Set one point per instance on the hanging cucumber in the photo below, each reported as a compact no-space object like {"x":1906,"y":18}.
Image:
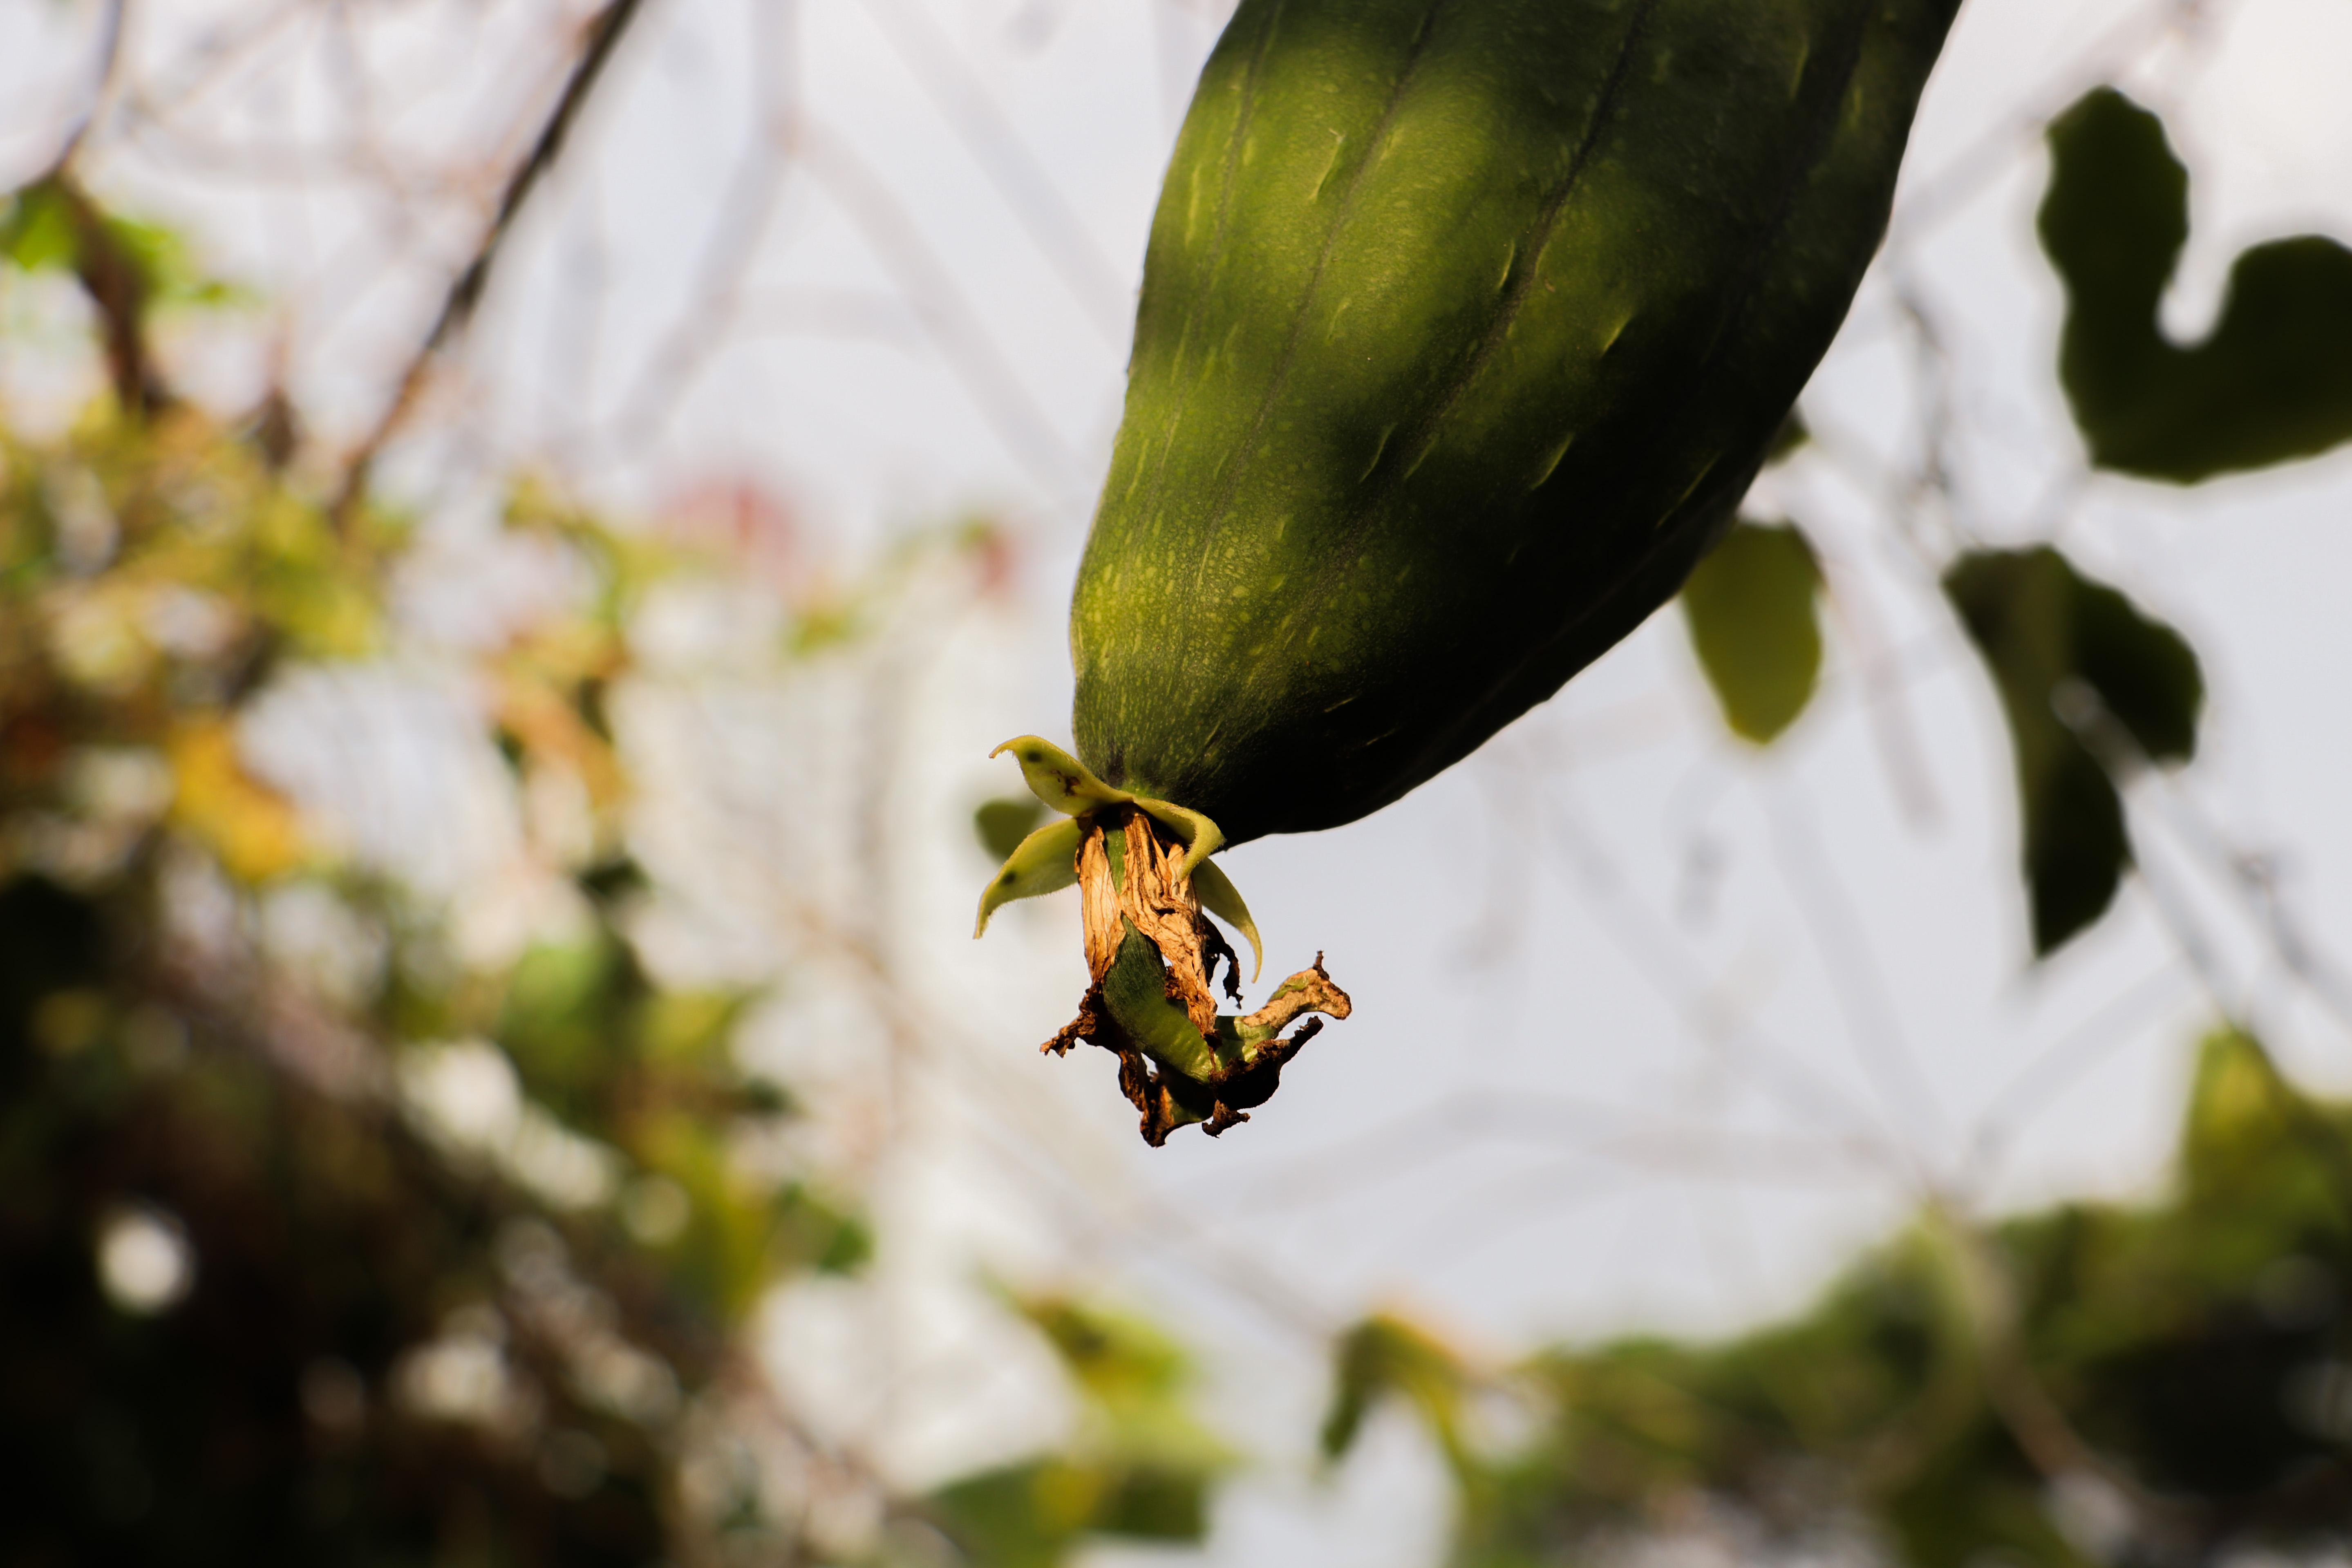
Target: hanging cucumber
{"x":1465,"y":326}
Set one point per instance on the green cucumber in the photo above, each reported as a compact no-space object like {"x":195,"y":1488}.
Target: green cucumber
{"x":1465,"y":326}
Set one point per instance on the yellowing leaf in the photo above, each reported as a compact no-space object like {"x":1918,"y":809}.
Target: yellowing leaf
{"x":1749,"y":607}
{"x":254,"y":831}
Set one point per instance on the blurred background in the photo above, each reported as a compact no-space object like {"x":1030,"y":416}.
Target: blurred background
{"x":520,"y":521}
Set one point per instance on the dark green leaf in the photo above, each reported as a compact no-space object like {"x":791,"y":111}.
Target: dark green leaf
{"x":2063,"y":647}
{"x":1002,"y":824}
{"x":1152,"y":1502}
{"x":1750,"y":610}
{"x":2145,"y":676}
{"x":2270,"y":382}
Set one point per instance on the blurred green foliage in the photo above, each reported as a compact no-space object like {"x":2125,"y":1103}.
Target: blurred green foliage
{"x":49,"y":225}
{"x":261,"y":1301}
{"x":2097,"y":1382}
{"x":378,"y":1351}
{"x":261,"y":1419}
{"x":1137,"y":1465}
{"x":1386,"y":1357}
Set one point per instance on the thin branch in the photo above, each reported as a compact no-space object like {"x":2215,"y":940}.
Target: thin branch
{"x":117,"y":287}
{"x":2042,"y":1428}
{"x":2120,"y":755}
{"x":458,"y":307}
{"x":217,"y":53}
{"x":1020,"y":180}
{"x":2054,"y":1070}
{"x":1933,"y":378}
{"x":950,"y":321}
{"x":1991,"y":154}
{"x":1669,"y":968}
{"x":745,"y":213}
{"x":1886,"y":703}
{"x":1516,"y":1201}
{"x":109,"y":57}
{"x":2253,"y":877}
{"x":109,"y":274}
{"x":1479,"y":1120}
{"x":1858,"y":982}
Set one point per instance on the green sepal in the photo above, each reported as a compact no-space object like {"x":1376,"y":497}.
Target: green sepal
{"x":1059,"y":779}
{"x":1223,"y":899}
{"x":1046,"y":862}
{"x":1070,"y":787}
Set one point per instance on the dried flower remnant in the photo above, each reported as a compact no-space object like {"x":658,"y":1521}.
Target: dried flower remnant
{"x":1143,"y":872}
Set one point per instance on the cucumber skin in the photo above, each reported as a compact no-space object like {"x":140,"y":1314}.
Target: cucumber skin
{"x":1410,"y":438}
